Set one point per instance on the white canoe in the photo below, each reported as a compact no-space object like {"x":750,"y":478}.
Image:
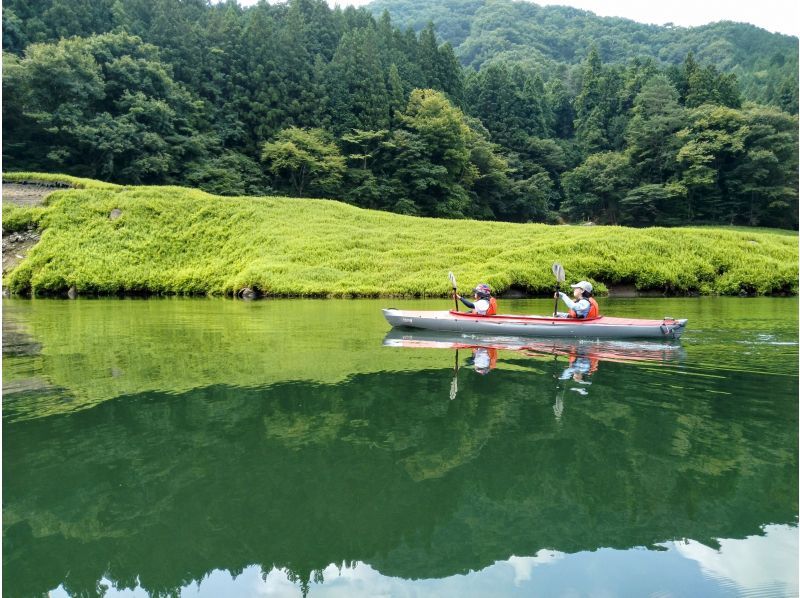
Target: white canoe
{"x":600,"y":327}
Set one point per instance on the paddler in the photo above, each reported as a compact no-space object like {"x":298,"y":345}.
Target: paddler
{"x":584,"y":306}
{"x":484,"y":304}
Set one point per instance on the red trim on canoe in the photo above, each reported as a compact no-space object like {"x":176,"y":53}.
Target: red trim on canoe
{"x":601,"y":320}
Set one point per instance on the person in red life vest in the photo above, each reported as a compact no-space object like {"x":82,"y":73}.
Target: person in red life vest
{"x":485,"y":304}
{"x":584,"y":306}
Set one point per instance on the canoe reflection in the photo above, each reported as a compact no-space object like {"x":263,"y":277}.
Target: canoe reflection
{"x":583,"y":356}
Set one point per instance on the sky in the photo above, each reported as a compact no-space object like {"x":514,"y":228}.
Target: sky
{"x":782,"y":16}
{"x":761,"y":564}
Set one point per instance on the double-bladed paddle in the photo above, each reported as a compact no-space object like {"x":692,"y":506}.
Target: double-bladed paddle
{"x":558,"y":272}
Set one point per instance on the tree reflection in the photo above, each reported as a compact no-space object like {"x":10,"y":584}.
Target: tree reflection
{"x":164,"y":488}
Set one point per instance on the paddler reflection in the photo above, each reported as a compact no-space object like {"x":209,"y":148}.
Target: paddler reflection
{"x":483,"y":359}
{"x":582,"y":364}
{"x":583,"y":357}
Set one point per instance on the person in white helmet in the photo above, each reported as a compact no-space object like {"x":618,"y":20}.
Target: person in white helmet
{"x":584,"y":306}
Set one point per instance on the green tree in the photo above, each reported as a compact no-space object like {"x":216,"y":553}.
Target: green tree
{"x":532,"y":198}
{"x":711,"y":144}
{"x":699,"y":85}
{"x":396,"y":95}
{"x":533,"y":103}
{"x":492,"y":95}
{"x":428,"y":58}
{"x":563,"y":113}
{"x":304,"y":161}
{"x":21,"y":149}
{"x":303,"y":94}
{"x":443,"y":129}
{"x":356,"y":87}
{"x":592,"y":106}
{"x":492,"y":187}
{"x":650,"y":135}
{"x":652,"y":204}
{"x":764,"y":181}
{"x":363,"y":187}
{"x":14,"y":37}
{"x":787,"y":95}
{"x":427,"y":158}
{"x":449,"y":73}
{"x":107,"y":108}
{"x":440,"y":163}
{"x":594,"y":189}
{"x":229,"y":173}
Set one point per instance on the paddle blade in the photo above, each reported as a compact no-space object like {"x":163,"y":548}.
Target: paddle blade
{"x":452,"y":278}
{"x":558,"y":272}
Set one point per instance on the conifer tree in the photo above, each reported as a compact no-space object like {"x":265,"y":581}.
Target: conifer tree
{"x":650,"y":135}
{"x":356,"y":84}
{"x":591,"y":107}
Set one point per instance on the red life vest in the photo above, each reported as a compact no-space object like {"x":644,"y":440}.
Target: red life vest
{"x":492,"y":358}
{"x":492,"y":307}
{"x":594,"y":310}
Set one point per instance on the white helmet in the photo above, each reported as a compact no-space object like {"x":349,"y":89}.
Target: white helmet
{"x":586,"y":286}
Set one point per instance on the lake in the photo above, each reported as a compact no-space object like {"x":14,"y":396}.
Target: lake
{"x":212,"y":447}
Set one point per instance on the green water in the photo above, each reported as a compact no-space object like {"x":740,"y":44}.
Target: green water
{"x":219,"y":447}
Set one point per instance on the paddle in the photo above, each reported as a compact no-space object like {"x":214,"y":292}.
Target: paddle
{"x":454,"y":381}
{"x":558,"y":272}
{"x":452,"y":278}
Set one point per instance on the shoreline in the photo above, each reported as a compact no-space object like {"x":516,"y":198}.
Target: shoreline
{"x":98,"y":239}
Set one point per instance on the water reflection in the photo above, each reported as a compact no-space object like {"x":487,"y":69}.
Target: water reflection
{"x":574,"y":361}
{"x":164,"y":489}
{"x":583,"y":356}
{"x":195,"y":454}
{"x":762,"y":565}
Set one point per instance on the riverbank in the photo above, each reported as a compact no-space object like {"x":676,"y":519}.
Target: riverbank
{"x":104,"y":239}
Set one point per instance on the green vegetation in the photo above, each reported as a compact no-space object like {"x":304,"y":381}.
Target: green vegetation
{"x":172,"y":240}
{"x":73,"y":181}
{"x":523,"y":114}
{"x":18,"y":218}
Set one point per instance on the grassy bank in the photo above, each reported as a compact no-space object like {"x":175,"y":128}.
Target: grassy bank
{"x":178,"y":240}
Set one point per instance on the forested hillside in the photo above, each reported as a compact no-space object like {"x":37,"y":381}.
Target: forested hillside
{"x":549,"y":37}
{"x":538,"y":114}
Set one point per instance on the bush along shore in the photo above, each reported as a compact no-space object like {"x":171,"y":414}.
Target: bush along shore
{"x":104,"y":239}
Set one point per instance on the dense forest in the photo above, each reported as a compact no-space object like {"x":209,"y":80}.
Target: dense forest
{"x":508,"y":111}
{"x":548,"y":37}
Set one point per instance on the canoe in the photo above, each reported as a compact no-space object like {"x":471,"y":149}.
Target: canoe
{"x":601,"y":327}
